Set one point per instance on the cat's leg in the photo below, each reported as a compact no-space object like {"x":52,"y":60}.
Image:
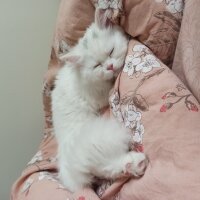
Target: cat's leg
{"x":131,"y":164}
{"x":72,"y":172}
{"x":110,"y":155}
{"x":73,"y":179}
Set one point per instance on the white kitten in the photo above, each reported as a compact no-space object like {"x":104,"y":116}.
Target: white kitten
{"x":88,"y":144}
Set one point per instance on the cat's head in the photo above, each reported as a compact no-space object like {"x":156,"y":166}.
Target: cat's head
{"x":100,"y":54}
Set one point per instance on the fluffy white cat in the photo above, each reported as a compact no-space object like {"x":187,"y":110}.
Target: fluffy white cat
{"x":91,"y":145}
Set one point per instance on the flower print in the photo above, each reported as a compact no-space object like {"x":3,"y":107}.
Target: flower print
{"x":166,"y":107}
{"x":173,"y":6}
{"x":141,"y":61}
{"x":132,"y":120}
{"x":105,"y":4}
{"x":130,"y":64}
{"x":194,"y":108}
{"x":191,"y":106}
{"x":115,"y":106}
{"x":36,"y":158}
{"x":149,"y":62}
{"x":81,"y":198}
{"x":48,"y":176}
{"x":114,"y":100}
{"x":118,"y":115}
{"x":138,"y":133}
{"x":131,"y":116}
{"x":51,"y":177}
{"x":27,"y":185}
{"x":140,"y":49}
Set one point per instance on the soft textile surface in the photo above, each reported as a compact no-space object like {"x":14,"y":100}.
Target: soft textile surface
{"x":148,"y":98}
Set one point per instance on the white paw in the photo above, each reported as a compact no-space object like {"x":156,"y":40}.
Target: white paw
{"x":136,"y":165}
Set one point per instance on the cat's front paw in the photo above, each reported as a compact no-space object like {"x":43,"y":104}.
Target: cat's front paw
{"x":136,"y":165}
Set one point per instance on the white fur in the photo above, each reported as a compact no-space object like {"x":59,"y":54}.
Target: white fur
{"x":90,"y":145}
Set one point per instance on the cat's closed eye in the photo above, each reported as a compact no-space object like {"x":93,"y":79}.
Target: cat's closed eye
{"x":97,"y":65}
{"x":111,"y":52}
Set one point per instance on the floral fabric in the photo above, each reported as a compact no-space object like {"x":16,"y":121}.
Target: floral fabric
{"x":148,"y":99}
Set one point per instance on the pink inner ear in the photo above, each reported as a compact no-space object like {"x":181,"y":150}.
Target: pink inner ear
{"x":103,"y":18}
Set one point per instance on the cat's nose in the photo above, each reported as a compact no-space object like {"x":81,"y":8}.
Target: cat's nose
{"x":110,"y":67}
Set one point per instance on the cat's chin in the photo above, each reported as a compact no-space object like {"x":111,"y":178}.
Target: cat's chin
{"x":116,"y":74}
{"x":112,"y":80}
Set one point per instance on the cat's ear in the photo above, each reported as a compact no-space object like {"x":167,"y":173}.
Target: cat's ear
{"x":103,"y":18}
{"x":74,"y":59}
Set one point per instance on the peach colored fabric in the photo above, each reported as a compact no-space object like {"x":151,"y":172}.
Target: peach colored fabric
{"x":166,"y":114}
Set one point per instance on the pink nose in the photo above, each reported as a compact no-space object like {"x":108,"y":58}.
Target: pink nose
{"x":110,"y":67}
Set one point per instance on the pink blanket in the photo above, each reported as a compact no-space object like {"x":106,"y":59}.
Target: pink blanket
{"x":156,"y":96}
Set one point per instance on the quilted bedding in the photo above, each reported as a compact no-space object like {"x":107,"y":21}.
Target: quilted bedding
{"x":156,"y":96}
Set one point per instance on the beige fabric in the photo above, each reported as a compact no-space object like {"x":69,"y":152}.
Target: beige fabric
{"x":166,"y":114}
{"x":187,"y":60}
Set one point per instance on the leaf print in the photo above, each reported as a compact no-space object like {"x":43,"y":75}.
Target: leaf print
{"x":36,"y":158}
{"x":169,"y":94}
{"x":162,"y":41}
{"x":140,"y":102}
{"x":127,"y":98}
{"x":191,"y":106}
{"x":180,"y":87}
{"x":27,"y":185}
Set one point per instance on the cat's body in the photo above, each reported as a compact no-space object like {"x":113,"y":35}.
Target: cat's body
{"x":88,"y":144}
